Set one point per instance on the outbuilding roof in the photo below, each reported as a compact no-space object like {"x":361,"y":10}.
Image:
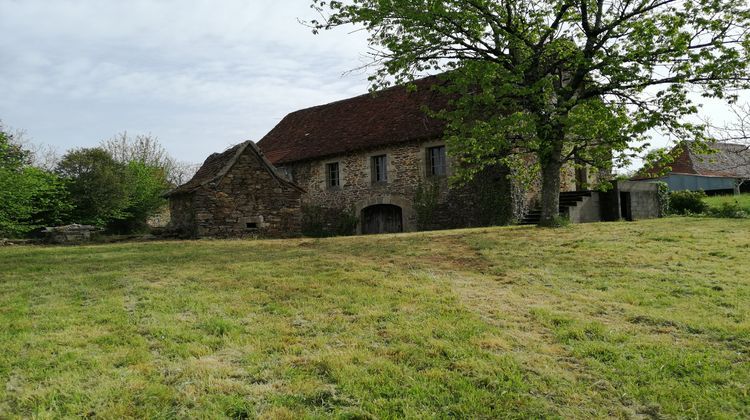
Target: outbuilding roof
{"x":728,"y":160}
{"x":218,"y":164}
{"x":394,"y":115}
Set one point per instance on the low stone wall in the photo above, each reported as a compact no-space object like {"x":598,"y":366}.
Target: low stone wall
{"x":70,"y":234}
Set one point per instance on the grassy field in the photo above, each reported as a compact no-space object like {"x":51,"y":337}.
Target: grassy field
{"x":743,"y":200}
{"x":646,"y":319}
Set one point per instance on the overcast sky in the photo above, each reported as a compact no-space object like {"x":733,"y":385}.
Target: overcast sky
{"x":199,"y":75}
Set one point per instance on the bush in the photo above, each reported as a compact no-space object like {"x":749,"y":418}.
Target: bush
{"x":318,"y":222}
{"x":663,"y":191}
{"x":687,"y":202}
{"x":728,"y":210}
{"x":425,"y":203}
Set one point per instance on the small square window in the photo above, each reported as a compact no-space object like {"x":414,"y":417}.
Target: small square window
{"x":333,"y":179}
{"x":436,"y":161}
{"x":379,"y":168}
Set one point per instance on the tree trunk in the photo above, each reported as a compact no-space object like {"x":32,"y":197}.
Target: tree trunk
{"x":550,"y":191}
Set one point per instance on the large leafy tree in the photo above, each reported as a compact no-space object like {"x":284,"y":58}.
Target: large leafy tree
{"x":98,"y":185}
{"x":12,"y":155}
{"x":107,"y":191}
{"x":145,"y":149}
{"x":564,"y":80}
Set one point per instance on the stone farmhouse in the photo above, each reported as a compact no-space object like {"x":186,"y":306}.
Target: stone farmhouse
{"x":375,"y":163}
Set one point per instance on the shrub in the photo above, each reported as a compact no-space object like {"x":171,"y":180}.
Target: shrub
{"x":728,"y":210}
{"x":425,"y":203}
{"x":687,"y":202}
{"x":663,"y":191}
{"x":320,"y":222}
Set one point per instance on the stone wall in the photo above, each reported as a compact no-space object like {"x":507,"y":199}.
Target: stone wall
{"x":182,"y":214}
{"x":247,"y":201}
{"x":407,"y":174}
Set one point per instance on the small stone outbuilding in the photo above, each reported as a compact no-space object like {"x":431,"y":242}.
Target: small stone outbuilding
{"x":236,"y":193}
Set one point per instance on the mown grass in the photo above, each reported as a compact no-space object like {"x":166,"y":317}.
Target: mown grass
{"x":743,"y":200}
{"x":646,"y":319}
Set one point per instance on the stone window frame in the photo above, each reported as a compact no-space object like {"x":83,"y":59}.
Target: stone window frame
{"x":432,"y":169}
{"x":386,"y":171}
{"x":342,"y":173}
{"x":333,"y":175}
{"x":424,"y":162}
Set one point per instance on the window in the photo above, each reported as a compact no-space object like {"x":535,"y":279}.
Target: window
{"x":379,"y":169}
{"x":436,"y":163}
{"x":251,"y":225}
{"x":332,"y":175}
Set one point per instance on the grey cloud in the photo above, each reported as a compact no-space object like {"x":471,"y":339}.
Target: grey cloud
{"x":201,"y":75}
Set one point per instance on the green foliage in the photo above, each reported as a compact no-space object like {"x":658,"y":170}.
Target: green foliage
{"x":145,"y":189}
{"x":729,"y":210}
{"x":12,"y":155}
{"x":426,"y":202}
{"x":492,"y":190}
{"x":687,"y":202}
{"x":99,"y":186}
{"x":89,"y":186}
{"x":30,"y":198}
{"x":743,"y":200}
{"x":105,"y":192}
{"x":321,"y":222}
{"x":559,"y":80}
{"x":663,"y":192}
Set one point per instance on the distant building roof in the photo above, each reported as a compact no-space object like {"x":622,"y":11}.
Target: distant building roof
{"x":218,"y":164}
{"x":729,"y":160}
{"x":394,"y":115}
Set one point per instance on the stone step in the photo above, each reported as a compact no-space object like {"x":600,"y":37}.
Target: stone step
{"x":568,"y":199}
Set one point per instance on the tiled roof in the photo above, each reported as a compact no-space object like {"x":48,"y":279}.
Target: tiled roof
{"x":394,"y":115}
{"x":218,"y":164}
{"x":729,"y":160}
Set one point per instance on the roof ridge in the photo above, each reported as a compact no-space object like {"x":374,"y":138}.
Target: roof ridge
{"x":369,"y":93}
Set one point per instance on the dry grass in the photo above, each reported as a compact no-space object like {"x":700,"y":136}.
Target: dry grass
{"x":619,"y":319}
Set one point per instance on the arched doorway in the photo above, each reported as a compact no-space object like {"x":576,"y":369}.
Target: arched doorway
{"x":382,"y":218}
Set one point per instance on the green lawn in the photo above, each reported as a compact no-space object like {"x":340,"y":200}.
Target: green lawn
{"x":743,"y":200}
{"x":645,"y":319}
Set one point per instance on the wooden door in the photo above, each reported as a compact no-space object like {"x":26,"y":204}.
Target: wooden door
{"x":382,"y":218}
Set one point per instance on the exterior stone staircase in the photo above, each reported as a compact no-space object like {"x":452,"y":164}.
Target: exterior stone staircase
{"x":568,"y":200}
